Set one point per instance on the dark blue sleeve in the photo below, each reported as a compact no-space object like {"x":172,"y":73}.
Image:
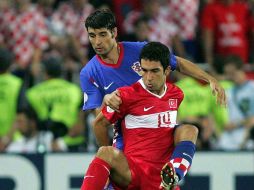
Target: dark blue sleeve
{"x":173,"y":61}
{"x":92,"y":95}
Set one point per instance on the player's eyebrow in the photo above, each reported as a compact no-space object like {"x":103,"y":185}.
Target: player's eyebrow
{"x":153,"y":70}
{"x":103,"y":33}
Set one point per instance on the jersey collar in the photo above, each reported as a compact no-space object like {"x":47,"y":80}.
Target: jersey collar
{"x":119,"y":61}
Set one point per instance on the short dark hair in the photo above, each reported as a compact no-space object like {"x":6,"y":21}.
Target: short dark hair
{"x":156,"y":51}
{"x":101,"y":18}
{"x":53,"y":66}
{"x":6,"y":58}
{"x":234,"y":60}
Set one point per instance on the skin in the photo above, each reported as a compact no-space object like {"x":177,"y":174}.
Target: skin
{"x":105,"y":45}
{"x":154,"y":77}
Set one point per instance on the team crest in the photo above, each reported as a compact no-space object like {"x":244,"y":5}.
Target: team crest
{"x":137,"y":68}
{"x":172,"y":103}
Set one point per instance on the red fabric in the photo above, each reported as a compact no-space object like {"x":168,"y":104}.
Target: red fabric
{"x":162,"y":28}
{"x":23,"y":32}
{"x":230,"y":25}
{"x":184,"y":13}
{"x":96,"y":175}
{"x":122,"y":8}
{"x":147,"y":118}
{"x":147,"y":128}
{"x":73,"y":21}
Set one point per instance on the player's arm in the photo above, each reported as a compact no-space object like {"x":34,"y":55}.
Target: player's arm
{"x":191,"y":69}
{"x":113,"y":100}
{"x":100,"y":130}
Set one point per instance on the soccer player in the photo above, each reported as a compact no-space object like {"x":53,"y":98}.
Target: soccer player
{"x":117,"y":64}
{"x":148,"y":113}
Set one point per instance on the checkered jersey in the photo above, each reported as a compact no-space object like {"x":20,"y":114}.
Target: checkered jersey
{"x":73,"y":20}
{"x":162,"y":28}
{"x":23,"y":32}
{"x":184,"y":14}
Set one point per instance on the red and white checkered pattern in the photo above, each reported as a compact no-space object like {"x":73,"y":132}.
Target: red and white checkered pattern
{"x":184,"y":14}
{"x":181,"y":163}
{"x":73,"y":20}
{"x":162,"y":28}
{"x":23,"y":32}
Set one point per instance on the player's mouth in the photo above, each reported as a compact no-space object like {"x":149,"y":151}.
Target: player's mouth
{"x":98,"y":49}
{"x":149,"y":86}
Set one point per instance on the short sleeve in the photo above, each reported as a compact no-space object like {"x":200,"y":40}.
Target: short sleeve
{"x":93,"y":97}
{"x":172,"y":61}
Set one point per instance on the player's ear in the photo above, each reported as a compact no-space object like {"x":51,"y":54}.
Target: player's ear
{"x":114,"y":33}
{"x":167,"y":70}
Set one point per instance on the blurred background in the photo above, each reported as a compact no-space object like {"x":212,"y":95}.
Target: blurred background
{"x":46,"y":140}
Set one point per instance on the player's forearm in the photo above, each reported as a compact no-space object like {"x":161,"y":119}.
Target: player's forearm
{"x":100,"y":130}
{"x":188,"y":68}
{"x":101,"y":135}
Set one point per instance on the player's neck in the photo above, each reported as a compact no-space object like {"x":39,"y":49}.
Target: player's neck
{"x":159,"y":92}
{"x":113,"y":56}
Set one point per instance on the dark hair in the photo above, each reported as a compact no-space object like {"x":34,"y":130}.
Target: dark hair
{"x":53,"y":66}
{"x":6,"y":58}
{"x":29,"y":112}
{"x":234,"y":60}
{"x":156,"y":51}
{"x":101,"y":18}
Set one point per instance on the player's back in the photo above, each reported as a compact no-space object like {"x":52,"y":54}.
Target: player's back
{"x":56,"y":99}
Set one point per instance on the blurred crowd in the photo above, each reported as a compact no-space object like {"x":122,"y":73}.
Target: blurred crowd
{"x":44,"y":45}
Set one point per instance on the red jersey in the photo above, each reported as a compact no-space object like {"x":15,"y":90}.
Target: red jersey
{"x":230,"y":24}
{"x":148,"y":121}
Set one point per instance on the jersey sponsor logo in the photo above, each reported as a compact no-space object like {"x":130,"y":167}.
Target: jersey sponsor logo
{"x":155,"y":120}
{"x":107,"y":87}
{"x":172,"y":103}
{"x":146,"y":109}
{"x":85,"y":97}
{"x":164,"y":119}
{"x":137,"y":68}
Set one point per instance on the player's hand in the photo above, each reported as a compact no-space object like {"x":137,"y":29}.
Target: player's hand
{"x":219,"y":92}
{"x":113,"y":100}
{"x":169,"y":179}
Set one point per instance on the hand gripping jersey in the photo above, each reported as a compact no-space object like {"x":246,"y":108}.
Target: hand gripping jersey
{"x":148,"y":121}
{"x":99,"y":78}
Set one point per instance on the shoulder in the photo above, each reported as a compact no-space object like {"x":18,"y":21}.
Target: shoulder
{"x":126,"y":91}
{"x":175,"y":90}
{"x":136,"y":45}
{"x":89,"y":67}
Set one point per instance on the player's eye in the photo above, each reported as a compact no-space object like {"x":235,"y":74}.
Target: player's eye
{"x":103,"y":34}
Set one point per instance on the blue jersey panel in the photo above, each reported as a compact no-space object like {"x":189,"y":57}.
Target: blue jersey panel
{"x":98,"y":79}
